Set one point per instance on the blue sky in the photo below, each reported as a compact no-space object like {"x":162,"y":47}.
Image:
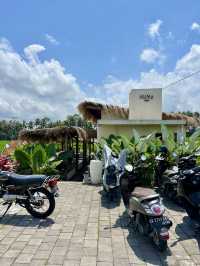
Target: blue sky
{"x":106,"y":48}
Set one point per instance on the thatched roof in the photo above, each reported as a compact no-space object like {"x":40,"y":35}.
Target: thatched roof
{"x":56,"y":134}
{"x":92,"y":111}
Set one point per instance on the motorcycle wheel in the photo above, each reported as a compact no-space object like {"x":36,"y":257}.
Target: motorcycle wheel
{"x":37,"y":207}
{"x":191,"y":211}
{"x":161,"y":244}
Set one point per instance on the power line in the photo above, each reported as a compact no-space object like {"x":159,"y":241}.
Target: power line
{"x":177,"y":81}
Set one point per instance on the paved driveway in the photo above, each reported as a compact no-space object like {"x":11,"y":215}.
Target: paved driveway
{"x":86,"y":230}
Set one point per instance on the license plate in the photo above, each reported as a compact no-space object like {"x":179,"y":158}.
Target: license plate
{"x":160,"y":220}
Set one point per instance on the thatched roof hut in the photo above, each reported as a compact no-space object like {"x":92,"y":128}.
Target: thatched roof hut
{"x":92,"y":111}
{"x":57,"y":134}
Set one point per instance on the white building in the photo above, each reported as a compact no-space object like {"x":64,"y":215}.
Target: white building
{"x":144,"y":114}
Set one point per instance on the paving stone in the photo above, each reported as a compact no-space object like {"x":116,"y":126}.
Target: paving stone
{"x":30,"y":249}
{"x":11,"y":253}
{"x":56,"y":259}
{"x":35,"y":241}
{"x":88,"y":261}
{"x":71,"y":263}
{"x":6,"y":261}
{"x":42,"y":254}
{"x":24,"y":258}
{"x":37,"y":262}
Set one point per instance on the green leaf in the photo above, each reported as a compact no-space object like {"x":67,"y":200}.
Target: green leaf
{"x":136,"y":136}
{"x":23,"y":158}
{"x":50,"y":150}
{"x":39,"y":157}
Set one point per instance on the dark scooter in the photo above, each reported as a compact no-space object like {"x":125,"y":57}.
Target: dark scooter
{"x":168,"y":176}
{"x":188,"y":191}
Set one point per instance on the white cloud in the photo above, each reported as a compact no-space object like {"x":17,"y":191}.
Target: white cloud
{"x":150,"y":55}
{"x":51,"y":39}
{"x":30,"y":88}
{"x":32,"y":51}
{"x":183,"y":96}
{"x":195,"y":26}
{"x":154,"y":29}
{"x":190,"y":61}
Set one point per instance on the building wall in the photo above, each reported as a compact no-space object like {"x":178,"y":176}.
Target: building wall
{"x":127,"y":130}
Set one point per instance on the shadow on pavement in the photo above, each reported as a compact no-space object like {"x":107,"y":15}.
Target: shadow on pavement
{"x":110,"y":204}
{"x":26,"y":221}
{"x":142,"y":247}
{"x":187,"y":230}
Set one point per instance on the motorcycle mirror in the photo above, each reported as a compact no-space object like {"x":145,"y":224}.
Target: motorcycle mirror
{"x":143,"y":157}
{"x":128,"y":167}
{"x":174,"y":154}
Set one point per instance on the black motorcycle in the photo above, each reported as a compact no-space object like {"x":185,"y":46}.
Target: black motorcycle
{"x":36,"y":193}
{"x":188,"y":190}
{"x":168,"y":176}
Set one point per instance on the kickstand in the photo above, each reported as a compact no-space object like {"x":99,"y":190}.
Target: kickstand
{"x":9,"y":205}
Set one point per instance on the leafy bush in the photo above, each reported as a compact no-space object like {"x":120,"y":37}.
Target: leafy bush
{"x":150,"y":147}
{"x":37,"y":159}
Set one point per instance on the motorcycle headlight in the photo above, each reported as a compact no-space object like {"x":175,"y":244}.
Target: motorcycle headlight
{"x":128,"y":168}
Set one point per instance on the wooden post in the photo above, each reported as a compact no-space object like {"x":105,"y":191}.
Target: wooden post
{"x":77,"y":153}
{"x":89,"y":149}
{"x":92,"y":145}
{"x":62,"y":145}
{"x":84,"y":152}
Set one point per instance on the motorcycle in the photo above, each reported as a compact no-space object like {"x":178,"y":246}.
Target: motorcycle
{"x":188,"y":190}
{"x":144,"y":207}
{"x":36,"y":193}
{"x":168,"y":176}
{"x":113,"y":166}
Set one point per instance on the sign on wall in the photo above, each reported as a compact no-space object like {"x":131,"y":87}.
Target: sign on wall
{"x":146,"y":97}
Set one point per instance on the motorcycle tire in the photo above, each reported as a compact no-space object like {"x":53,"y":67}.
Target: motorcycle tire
{"x":41,"y":215}
{"x":161,"y":244}
{"x":191,"y":211}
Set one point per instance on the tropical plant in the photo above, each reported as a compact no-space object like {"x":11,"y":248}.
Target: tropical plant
{"x":37,"y":159}
{"x":150,"y":147}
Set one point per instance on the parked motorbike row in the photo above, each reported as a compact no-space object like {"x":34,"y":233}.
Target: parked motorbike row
{"x":180,"y":183}
{"x":144,"y":205}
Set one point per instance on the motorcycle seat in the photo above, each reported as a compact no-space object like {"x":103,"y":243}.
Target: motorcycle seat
{"x":142,"y":192}
{"x":24,"y":180}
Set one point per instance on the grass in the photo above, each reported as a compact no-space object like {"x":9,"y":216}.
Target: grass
{"x":2,"y":144}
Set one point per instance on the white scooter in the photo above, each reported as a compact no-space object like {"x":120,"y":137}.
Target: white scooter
{"x":113,"y":168}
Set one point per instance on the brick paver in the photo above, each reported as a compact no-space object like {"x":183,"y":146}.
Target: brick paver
{"x":86,"y":230}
